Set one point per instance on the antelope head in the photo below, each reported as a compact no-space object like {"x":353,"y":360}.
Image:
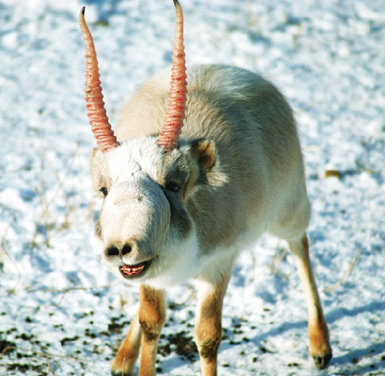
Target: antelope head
{"x":146,"y":182}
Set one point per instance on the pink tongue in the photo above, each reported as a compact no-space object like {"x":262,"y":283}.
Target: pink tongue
{"x":132,"y":269}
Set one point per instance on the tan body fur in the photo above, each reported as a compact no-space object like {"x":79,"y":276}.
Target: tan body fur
{"x":241,"y":172}
{"x":257,"y":144}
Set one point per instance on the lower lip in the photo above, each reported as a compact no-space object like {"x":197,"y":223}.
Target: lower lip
{"x":135,"y":271}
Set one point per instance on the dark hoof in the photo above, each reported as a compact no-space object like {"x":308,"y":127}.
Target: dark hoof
{"x":119,"y":373}
{"x":322,"y":362}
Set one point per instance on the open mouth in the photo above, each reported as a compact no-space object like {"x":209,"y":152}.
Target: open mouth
{"x":132,"y":271}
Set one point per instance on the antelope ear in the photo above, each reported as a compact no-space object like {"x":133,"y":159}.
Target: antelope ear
{"x":205,"y":152}
{"x":99,"y":171}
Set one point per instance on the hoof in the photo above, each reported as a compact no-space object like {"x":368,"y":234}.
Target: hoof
{"x":119,"y":373}
{"x":322,"y":362}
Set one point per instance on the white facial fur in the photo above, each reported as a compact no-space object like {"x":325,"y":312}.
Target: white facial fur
{"x":137,"y":207}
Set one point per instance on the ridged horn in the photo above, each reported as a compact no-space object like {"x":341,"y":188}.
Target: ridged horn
{"x":169,"y":135}
{"x":96,"y":112}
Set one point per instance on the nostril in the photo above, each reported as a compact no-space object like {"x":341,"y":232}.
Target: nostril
{"x":127,"y":248}
{"x":111,"y":251}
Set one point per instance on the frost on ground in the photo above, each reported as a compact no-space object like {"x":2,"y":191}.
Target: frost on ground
{"x":61,"y":312}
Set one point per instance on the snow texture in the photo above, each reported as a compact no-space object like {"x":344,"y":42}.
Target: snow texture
{"x":61,"y":312}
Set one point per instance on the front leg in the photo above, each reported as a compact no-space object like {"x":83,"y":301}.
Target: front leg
{"x":208,"y":329}
{"x":152,"y":315}
{"x":128,"y":352}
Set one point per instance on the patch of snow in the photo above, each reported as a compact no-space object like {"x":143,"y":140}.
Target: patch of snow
{"x":61,"y":311}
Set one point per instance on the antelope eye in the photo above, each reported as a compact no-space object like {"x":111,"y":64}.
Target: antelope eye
{"x":104,"y":190}
{"x":173,"y":187}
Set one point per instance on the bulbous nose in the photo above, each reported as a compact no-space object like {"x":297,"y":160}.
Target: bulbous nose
{"x":114,"y":250}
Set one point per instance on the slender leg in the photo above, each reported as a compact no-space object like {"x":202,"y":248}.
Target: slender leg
{"x":128,"y":352}
{"x":318,"y":331}
{"x":208,"y":329}
{"x":152,"y":315}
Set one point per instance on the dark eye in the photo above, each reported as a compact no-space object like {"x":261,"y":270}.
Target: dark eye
{"x":173,"y":187}
{"x":104,"y":190}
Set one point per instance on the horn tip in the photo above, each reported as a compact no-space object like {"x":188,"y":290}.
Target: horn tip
{"x":83,"y":10}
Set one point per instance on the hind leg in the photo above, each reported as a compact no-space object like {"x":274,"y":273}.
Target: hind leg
{"x":319,"y":345}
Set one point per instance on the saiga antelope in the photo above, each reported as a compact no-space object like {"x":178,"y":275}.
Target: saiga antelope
{"x":180,"y":203}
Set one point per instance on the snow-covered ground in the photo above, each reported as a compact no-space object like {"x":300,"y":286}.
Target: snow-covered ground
{"x":61,"y":312}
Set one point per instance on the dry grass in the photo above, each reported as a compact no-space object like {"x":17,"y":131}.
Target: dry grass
{"x":47,"y":201}
{"x":352,"y":263}
{"x":279,"y":259}
{"x":4,"y":254}
{"x":53,"y":209}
